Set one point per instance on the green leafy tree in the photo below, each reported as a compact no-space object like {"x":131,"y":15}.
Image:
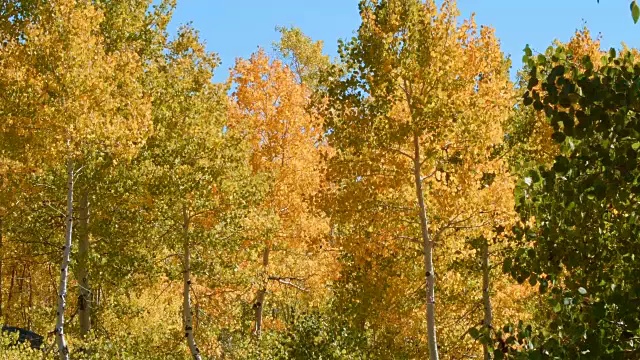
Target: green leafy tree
{"x":302,"y":55}
{"x":197,"y":169}
{"x":579,"y":216}
{"x":134,"y":25}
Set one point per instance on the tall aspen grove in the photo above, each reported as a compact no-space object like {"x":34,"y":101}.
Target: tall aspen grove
{"x":415,"y":193}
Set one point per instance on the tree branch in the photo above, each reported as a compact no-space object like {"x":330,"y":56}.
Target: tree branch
{"x":398,"y":151}
{"x":287,"y":281}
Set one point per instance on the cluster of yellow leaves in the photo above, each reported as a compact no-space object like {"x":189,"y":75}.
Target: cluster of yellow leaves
{"x":64,"y":89}
{"x":269,"y":106}
{"x":71,"y":90}
{"x":449,"y":84}
{"x":583,"y":44}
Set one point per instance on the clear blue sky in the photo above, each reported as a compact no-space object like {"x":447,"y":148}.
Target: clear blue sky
{"x":235,"y":28}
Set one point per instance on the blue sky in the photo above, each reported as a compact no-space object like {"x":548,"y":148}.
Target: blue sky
{"x":235,"y":28}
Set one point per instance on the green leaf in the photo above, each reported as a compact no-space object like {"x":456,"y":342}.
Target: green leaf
{"x":635,"y":12}
{"x":561,"y":164}
{"x":474,"y":333}
{"x":558,"y":137}
{"x":537,"y":105}
{"x":506,"y":265}
{"x":527,"y":101}
{"x":542,"y":60}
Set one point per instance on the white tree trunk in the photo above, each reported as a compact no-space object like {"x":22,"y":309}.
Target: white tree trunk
{"x":63,"y":349}
{"x":262,"y":293}
{"x":84,"y":292}
{"x":186,"y":308}
{"x":486,"y":295}
{"x":427,"y":246}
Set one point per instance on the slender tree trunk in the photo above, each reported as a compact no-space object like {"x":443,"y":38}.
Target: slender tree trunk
{"x":21,"y":293}
{"x":7,"y":316}
{"x":96,"y":301}
{"x":486,"y":295}
{"x":63,"y":350}
{"x":186,"y":309}
{"x":427,"y":246}
{"x":1,"y":261}
{"x":30,"y":298}
{"x":84,"y":292}
{"x":262,"y":293}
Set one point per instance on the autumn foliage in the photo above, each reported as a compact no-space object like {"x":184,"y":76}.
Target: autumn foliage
{"x":405,"y":200}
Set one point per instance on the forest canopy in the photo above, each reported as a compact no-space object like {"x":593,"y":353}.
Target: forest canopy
{"x":409,"y":199}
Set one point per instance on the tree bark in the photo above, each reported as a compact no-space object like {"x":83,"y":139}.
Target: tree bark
{"x":262,"y":293}
{"x":21,"y":292}
{"x":427,"y":246}
{"x":30,"y":298}
{"x":63,"y":349}
{"x":7,"y":314}
{"x":186,"y":309}
{"x":96,"y":301}
{"x":486,"y":295}
{"x":84,"y":292}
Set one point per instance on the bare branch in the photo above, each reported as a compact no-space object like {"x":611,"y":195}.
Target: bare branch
{"x":410,"y":238}
{"x":400,"y":152}
{"x":78,"y":171}
{"x":422,"y":179}
{"x":52,"y":208}
{"x":287,"y":281}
